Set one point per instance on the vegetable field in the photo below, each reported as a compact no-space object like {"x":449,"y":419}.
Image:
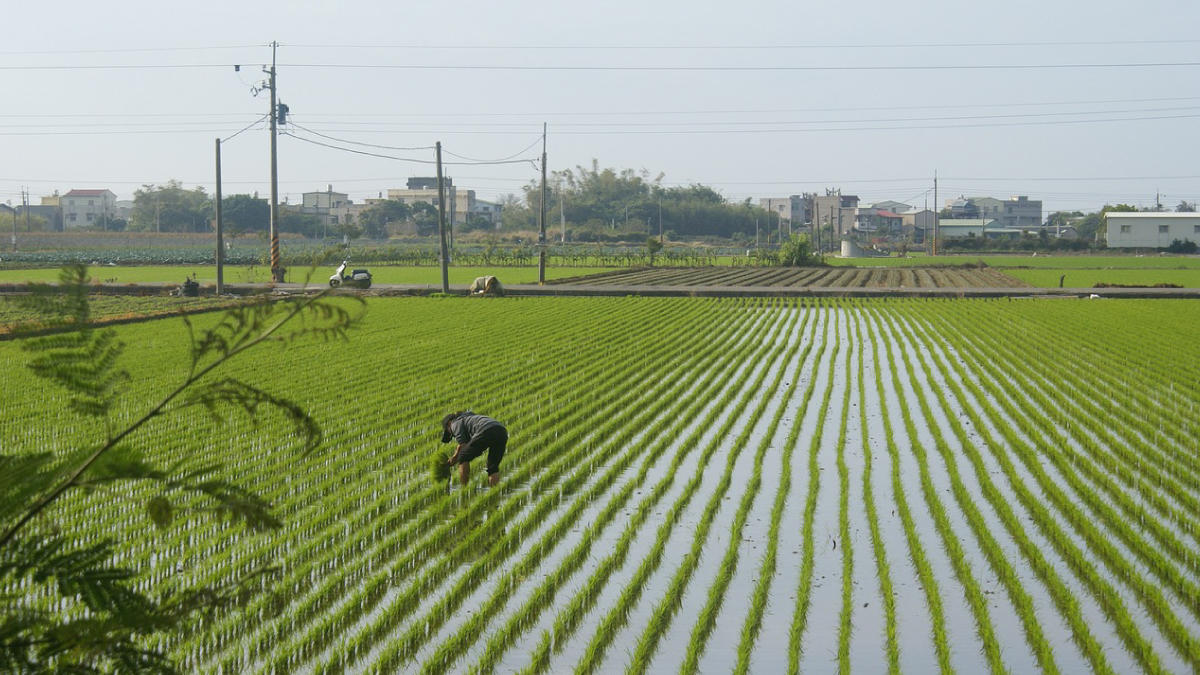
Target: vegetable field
{"x":696,"y":485}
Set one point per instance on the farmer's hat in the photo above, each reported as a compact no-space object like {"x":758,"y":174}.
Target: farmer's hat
{"x":446,"y":435}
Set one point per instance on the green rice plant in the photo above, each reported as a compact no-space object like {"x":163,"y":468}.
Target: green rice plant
{"x":950,"y":543}
{"x":980,"y":528}
{"x":615,"y":618}
{"x":1099,"y":544}
{"x":804,"y":590}
{"x":915,"y":549}
{"x":845,"y":623}
{"x":882,"y":570}
{"x":762,"y":585}
{"x":397,"y":651}
{"x":439,"y":468}
{"x":1059,"y":593}
{"x":669,"y":604}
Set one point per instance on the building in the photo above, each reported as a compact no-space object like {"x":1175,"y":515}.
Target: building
{"x":893,"y":206}
{"x":489,"y":211}
{"x":331,"y":207}
{"x":461,"y":206}
{"x":87,"y":208}
{"x":1151,"y":229}
{"x":987,"y":228}
{"x":833,"y":209}
{"x":912,"y":221}
{"x":874,"y":221}
{"x":1019,"y":212}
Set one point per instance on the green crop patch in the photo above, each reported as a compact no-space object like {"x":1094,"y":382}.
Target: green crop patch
{"x":690,"y":485}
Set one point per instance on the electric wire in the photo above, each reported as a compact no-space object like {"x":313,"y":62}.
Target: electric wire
{"x":260,"y":120}
{"x":566,"y":68}
{"x":369,"y":145}
{"x":399,"y":159}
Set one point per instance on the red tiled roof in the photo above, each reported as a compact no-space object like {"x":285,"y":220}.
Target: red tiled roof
{"x":889,"y":214}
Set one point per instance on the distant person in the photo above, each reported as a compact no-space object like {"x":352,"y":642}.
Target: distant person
{"x":475,"y":434}
{"x":488,"y":285}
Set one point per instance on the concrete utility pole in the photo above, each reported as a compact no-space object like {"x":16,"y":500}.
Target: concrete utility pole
{"x":542,"y":219}
{"x":936,"y":214}
{"x":220,"y":246}
{"x":276,"y":268}
{"x":442,"y":222}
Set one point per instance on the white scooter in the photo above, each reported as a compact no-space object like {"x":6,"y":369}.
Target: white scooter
{"x":357,"y":278}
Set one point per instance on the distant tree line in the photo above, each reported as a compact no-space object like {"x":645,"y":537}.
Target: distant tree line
{"x":609,"y":205}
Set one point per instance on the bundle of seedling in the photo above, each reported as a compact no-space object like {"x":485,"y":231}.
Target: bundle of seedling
{"x":439,"y":467}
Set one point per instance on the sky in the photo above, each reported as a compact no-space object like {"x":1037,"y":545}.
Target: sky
{"x":1073,"y":102}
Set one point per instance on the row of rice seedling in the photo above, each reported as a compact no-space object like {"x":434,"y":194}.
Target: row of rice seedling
{"x":568,"y":620}
{"x":1080,"y":560}
{"x":695,"y":404}
{"x":571,"y":440}
{"x":1101,"y":521}
{"x":916,"y":551}
{"x":596,"y":648}
{"x":422,"y":498}
{"x":562,"y":463}
{"x":1066,"y":603}
{"x":658,"y":420}
{"x":878,"y":551}
{"x":667,"y":605}
{"x":643,"y":431}
{"x":801,"y":607}
{"x":980,"y":527}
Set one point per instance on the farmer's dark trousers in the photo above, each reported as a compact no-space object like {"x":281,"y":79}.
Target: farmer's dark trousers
{"x":494,"y":440}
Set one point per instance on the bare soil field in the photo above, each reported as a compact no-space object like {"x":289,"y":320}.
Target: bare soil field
{"x":793,"y":277}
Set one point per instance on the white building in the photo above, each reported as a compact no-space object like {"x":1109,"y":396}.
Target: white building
{"x":85,"y":208}
{"x":1151,"y":229}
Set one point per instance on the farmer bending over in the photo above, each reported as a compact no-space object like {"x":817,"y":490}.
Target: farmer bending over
{"x":488,"y":285}
{"x":475,"y":433}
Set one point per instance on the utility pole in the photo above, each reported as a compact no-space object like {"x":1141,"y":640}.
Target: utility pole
{"x":562,"y":215}
{"x":935,"y":214}
{"x":276,"y":269}
{"x":442,"y":222}
{"x":542,"y":219}
{"x":660,"y":231}
{"x":25,"y":205}
{"x":220,"y":246}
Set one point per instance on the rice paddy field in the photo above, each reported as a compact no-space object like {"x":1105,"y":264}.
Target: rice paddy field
{"x":694,"y":485}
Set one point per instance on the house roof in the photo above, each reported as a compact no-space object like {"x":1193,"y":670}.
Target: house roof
{"x":87,"y":193}
{"x":1151,"y":215}
{"x":888,"y":214}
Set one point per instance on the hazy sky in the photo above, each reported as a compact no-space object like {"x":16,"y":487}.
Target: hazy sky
{"x":1074,"y":102}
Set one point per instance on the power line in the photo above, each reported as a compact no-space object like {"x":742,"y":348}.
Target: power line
{"x":954,"y":45}
{"x":566,"y":68}
{"x":467,"y":163}
{"x":888,"y":68}
{"x":370,"y":145}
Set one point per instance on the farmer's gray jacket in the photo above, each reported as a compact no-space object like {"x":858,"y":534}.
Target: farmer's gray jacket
{"x":469,"y":425}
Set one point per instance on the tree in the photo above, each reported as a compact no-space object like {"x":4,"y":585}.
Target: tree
{"x":798,"y":252}
{"x":1186,"y":207}
{"x":425,"y":217}
{"x":1063,"y":218}
{"x":653,"y":246}
{"x":245,"y":213}
{"x":170,"y":208}
{"x":1090,"y":226}
{"x":296,"y":222}
{"x":374,"y":221}
{"x":121,"y":620}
